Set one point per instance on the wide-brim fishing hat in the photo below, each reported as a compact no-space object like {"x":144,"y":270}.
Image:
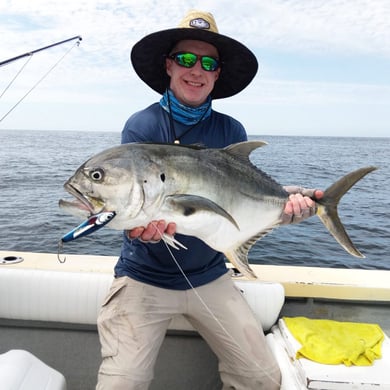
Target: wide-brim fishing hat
{"x":238,"y":64}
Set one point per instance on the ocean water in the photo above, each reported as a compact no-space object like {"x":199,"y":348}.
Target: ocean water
{"x":35,"y":164}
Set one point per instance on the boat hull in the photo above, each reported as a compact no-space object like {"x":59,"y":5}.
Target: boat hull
{"x":65,"y":337}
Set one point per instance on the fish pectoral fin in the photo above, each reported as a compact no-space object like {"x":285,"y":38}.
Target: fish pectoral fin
{"x":191,"y":204}
{"x":239,"y":256}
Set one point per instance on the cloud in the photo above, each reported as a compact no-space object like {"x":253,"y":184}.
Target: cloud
{"x":99,"y":70}
{"x":357,"y":26}
{"x":297,"y":92}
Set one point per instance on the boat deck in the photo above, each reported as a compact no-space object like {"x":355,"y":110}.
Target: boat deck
{"x":185,"y":360}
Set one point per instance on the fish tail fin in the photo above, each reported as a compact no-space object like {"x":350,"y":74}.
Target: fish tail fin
{"x":327,"y":208}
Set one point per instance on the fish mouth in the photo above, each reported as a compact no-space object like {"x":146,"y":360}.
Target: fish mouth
{"x":82,"y":202}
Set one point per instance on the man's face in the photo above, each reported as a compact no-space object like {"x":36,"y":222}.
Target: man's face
{"x":192,"y":86}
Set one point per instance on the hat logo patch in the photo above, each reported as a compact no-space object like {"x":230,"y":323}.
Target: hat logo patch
{"x":199,"y":23}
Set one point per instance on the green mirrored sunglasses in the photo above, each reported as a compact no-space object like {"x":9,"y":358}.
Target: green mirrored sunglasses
{"x":188,"y":60}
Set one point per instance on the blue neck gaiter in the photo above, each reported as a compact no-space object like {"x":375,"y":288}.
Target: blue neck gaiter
{"x":185,"y":114}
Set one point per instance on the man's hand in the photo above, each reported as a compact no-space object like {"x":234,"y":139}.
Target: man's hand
{"x":153,"y":232}
{"x":300,"y":204}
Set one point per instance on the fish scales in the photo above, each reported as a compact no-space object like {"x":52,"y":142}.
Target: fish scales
{"x":217,"y":195}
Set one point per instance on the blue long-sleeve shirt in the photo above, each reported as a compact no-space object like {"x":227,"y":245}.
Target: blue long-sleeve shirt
{"x":153,"y":263}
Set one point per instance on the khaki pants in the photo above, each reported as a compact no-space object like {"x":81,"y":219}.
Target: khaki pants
{"x":134,"y":319}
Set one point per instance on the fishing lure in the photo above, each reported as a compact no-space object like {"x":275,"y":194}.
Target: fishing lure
{"x":93,"y":223}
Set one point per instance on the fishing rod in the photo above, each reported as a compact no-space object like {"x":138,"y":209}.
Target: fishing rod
{"x":30,"y":53}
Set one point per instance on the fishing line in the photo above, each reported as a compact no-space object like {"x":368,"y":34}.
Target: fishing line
{"x":202,"y":301}
{"x":195,"y":291}
{"x":39,"y":81}
{"x":16,"y":76}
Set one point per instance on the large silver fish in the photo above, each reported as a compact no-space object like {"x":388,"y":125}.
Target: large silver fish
{"x":217,"y":195}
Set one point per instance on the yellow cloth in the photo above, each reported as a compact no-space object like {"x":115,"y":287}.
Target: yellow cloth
{"x":334,"y":342}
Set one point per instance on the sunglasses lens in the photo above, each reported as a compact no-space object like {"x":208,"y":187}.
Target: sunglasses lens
{"x":188,"y":60}
{"x":209,"y":63}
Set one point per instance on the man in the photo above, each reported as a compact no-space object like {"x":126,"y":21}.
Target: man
{"x":189,"y":65}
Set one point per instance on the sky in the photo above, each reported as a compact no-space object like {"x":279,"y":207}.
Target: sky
{"x":324,"y":65}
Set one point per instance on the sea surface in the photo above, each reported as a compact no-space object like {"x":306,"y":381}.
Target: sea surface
{"x":35,"y":164}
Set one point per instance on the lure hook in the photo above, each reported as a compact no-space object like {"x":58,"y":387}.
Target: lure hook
{"x":93,"y":223}
{"x":60,"y":246}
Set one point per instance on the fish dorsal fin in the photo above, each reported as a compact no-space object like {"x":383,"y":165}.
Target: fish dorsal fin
{"x":244,"y":149}
{"x":190,"y":204}
{"x":239,"y":256}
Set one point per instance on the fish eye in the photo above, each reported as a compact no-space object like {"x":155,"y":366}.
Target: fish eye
{"x":97,"y":174}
